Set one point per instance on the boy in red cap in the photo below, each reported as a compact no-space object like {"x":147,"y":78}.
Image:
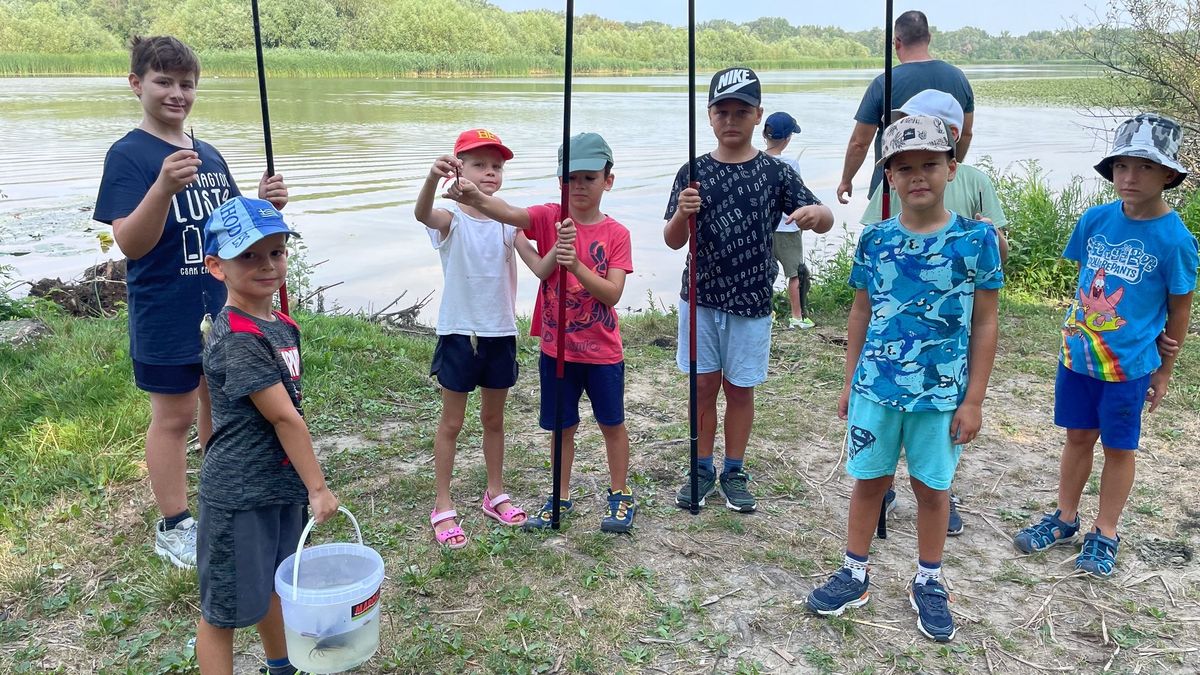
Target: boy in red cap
{"x":477,"y":326}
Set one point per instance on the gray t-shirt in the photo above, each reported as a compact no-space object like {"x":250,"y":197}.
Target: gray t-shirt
{"x":245,"y":466}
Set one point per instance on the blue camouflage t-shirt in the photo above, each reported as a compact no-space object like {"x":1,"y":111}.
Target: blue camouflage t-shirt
{"x":170,"y":290}
{"x":922,"y":292}
{"x":1127,"y":270}
{"x":741,"y":205}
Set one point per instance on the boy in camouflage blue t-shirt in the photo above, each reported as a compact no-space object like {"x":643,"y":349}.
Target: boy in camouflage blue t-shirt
{"x":922,"y":338}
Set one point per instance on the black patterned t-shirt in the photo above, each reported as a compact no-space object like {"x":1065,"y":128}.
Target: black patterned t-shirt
{"x":740,"y":207}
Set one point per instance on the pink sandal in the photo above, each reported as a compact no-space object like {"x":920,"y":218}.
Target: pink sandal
{"x":445,"y":536}
{"x":509,"y":517}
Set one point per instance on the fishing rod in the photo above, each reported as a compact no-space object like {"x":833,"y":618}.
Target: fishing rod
{"x":561,"y":335}
{"x":885,"y":186}
{"x":693,"y":416}
{"x":266,"y":117}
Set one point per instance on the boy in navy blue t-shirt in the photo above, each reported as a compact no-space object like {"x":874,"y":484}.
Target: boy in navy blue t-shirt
{"x":1137,"y":273}
{"x":159,"y":186}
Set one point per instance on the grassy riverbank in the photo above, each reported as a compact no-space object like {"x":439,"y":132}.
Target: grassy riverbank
{"x":81,"y":591}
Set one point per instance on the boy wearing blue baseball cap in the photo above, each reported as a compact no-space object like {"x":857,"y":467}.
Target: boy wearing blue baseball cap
{"x":788,"y":242}
{"x":259,"y":469}
{"x":1137,"y":274}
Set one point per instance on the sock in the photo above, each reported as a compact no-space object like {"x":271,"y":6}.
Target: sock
{"x":927,"y":571}
{"x":280,"y":667}
{"x":170,"y":522}
{"x":705,"y":463}
{"x":857,"y":566}
{"x":732,"y":465}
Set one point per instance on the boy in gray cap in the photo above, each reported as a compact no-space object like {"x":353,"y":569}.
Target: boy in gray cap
{"x":1137,"y":272}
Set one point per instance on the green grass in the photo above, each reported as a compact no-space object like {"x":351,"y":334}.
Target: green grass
{"x":1069,"y":92}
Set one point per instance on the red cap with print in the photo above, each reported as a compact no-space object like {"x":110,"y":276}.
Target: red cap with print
{"x":480,"y":138}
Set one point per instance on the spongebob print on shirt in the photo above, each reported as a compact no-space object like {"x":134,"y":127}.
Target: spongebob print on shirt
{"x":1127,"y":270}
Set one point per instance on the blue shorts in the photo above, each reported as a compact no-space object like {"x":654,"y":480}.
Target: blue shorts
{"x":179,"y":379}
{"x":237,"y":553}
{"x":491,"y":364}
{"x":743,"y":365}
{"x":1115,"y":408}
{"x":877,"y":432}
{"x":603,"y":382}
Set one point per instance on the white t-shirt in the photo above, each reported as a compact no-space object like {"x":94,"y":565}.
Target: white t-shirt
{"x":479,"y":267}
{"x":784,"y":225}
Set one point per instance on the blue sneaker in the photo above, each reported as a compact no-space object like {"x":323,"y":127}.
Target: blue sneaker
{"x":955,"y":526}
{"x":1050,"y":531}
{"x":841,"y":592}
{"x":543,"y":518}
{"x":621,"y":509}
{"x":930,"y":601}
{"x":1099,"y":555}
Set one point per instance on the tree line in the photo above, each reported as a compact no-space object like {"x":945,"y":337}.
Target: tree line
{"x":467,"y":27}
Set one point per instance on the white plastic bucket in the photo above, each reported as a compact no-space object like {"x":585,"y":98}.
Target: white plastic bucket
{"x":330,"y":596}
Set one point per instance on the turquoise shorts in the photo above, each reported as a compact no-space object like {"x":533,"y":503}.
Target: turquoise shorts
{"x":738,"y":347}
{"x":877,"y":432}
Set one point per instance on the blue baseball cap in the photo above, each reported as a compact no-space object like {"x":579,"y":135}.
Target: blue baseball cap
{"x":240,"y":222}
{"x":780,"y":125}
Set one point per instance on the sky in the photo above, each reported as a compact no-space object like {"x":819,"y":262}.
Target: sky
{"x":1015,"y":16}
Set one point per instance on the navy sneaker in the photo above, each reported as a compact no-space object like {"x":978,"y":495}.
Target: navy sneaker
{"x":1049,"y":532}
{"x":1099,"y":555}
{"x":889,"y":501}
{"x":735,"y":486}
{"x":955,"y":526}
{"x":931,"y":603}
{"x":543,"y":518}
{"x":841,"y":592}
{"x":706,"y":484}
{"x":621,"y":508}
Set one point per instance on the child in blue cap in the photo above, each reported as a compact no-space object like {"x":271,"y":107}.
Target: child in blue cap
{"x":259,"y":470}
{"x":788,"y":244}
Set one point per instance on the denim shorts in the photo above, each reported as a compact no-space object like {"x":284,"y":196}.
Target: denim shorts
{"x":603,"y":382}
{"x":738,"y":347}
{"x":1115,"y":408}
{"x":491,"y":363}
{"x":178,"y":379}
{"x":237,"y":553}
{"x":877,"y":432}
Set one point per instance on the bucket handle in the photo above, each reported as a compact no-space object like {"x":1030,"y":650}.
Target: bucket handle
{"x":304,"y":537}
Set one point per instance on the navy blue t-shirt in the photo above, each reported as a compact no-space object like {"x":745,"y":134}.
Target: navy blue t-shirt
{"x":908,"y":80}
{"x":740,"y":207}
{"x":169,"y":288}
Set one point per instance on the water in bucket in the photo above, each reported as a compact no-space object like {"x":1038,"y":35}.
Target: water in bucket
{"x":330,"y":596}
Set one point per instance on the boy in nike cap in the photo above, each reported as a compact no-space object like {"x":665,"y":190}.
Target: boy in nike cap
{"x":743,"y":196}
{"x":260,"y":471}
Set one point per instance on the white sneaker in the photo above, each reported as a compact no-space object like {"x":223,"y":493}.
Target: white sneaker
{"x":803,"y":324}
{"x":178,"y":545}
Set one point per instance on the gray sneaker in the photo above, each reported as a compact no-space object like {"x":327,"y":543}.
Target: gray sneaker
{"x":706,"y":485}
{"x":177,"y":545}
{"x":735,"y":487}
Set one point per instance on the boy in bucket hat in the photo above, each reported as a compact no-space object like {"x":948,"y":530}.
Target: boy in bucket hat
{"x":1137,"y":272}
{"x":596,"y":252}
{"x":788,"y":243}
{"x":259,"y":468}
{"x":743,"y":196}
{"x":921,"y":341}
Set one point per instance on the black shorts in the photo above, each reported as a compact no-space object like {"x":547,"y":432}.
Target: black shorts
{"x":179,"y":379}
{"x":237,"y":553}
{"x":491,"y":364}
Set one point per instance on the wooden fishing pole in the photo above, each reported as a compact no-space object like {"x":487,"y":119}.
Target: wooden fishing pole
{"x":885,"y":186}
{"x":693,"y":416}
{"x":561,"y":334}
{"x":266,"y":117}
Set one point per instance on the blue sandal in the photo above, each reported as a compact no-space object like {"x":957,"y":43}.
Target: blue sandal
{"x":542,"y":519}
{"x":621,"y":509}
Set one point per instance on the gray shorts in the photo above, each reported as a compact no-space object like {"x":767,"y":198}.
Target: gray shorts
{"x":788,"y":248}
{"x":237,"y":553}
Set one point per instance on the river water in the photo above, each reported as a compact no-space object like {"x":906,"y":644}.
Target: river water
{"x":354,"y":153}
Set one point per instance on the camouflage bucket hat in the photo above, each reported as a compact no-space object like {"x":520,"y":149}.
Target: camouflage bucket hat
{"x":1149,"y":136}
{"x":915,"y":132}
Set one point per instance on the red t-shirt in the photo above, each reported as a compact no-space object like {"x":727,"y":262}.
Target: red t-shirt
{"x":592,"y":332}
